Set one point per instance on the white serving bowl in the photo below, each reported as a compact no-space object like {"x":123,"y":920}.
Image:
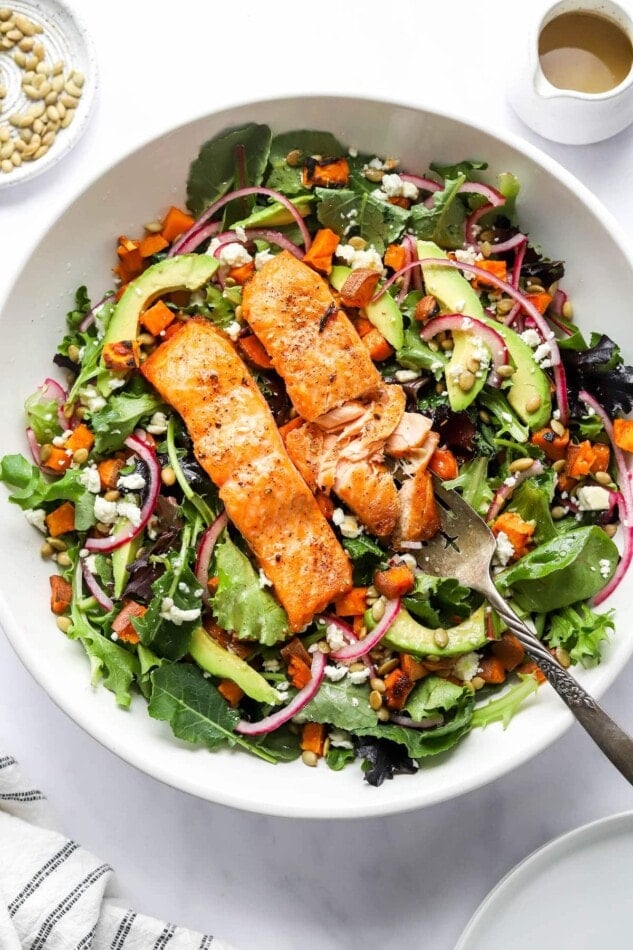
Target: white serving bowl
{"x":79,"y":248}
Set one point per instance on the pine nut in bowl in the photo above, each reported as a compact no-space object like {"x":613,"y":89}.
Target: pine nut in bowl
{"x":48,"y":80}
{"x":287,"y":705}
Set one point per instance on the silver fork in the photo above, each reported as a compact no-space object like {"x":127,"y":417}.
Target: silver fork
{"x":463,"y":549}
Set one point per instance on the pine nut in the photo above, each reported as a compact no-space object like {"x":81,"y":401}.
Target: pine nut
{"x":558,"y":512}
{"x":357,"y":242}
{"x":378,"y":610}
{"x":71,"y":102}
{"x":563,"y":657}
{"x":25,"y":25}
{"x":168,"y":476}
{"x":477,"y":682}
{"x":374,"y":175}
{"x":6,"y":165}
{"x":557,"y":427}
{"x":20,"y":145}
{"x":610,"y":530}
{"x":506,"y":371}
{"x":43,"y":69}
{"x":19,"y":58}
{"x":294,"y":157}
{"x":5,"y":135}
{"x":42,"y":150}
{"x":440,"y":637}
{"x":16,"y":159}
{"x":26,"y":44}
{"x":45,"y":88}
{"x":80,"y":456}
{"x":567,"y":310}
{"x":70,"y":115}
{"x":48,"y":138}
{"x":308,"y":757}
{"x":57,"y":544}
{"x":5,"y":14}
{"x":520,"y":465}
{"x":72,"y":89}
{"x":388,"y":666}
{"x":64,"y":624}
{"x":37,"y":110}
{"x":14,"y":35}
{"x":466,"y":381}
{"x":603,"y":478}
{"x":46,"y":550}
{"x":375,"y":699}
{"x":383,"y":714}
{"x":45,"y":451}
{"x":559,"y":465}
{"x":64,"y":560}
{"x":504,"y":306}
{"x":533,"y":404}
{"x":38,"y":51}
{"x":57,"y":69}
{"x":112,"y":495}
{"x":78,"y":78}
{"x":7,"y":150}
{"x":377,"y":684}
{"x":38,"y":126}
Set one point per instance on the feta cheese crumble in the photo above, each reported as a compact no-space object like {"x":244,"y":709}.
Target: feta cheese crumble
{"x":466,"y":667}
{"x":157,"y":424}
{"x":504,"y":550}
{"x":170,"y":611}
{"x":368,"y":257}
{"x":36,"y":516}
{"x":234,"y":255}
{"x":593,"y":498}
{"x":89,"y":478}
{"x":335,"y":673}
{"x":133,"y":482}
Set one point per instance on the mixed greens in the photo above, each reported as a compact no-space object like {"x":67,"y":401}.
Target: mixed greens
{"x":468,"y":316}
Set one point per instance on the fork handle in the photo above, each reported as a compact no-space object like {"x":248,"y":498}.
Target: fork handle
{"x":608,"y":736}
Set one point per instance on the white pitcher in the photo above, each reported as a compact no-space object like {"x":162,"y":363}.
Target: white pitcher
{"x":567,"y":115}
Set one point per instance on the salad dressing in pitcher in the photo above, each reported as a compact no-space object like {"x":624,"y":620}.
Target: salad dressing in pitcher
{"x":585,"y":52}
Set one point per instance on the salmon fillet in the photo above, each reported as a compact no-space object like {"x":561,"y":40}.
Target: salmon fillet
{"x":236,"y":441}
{"x":365,"y":486}
{"x":311,"y":343}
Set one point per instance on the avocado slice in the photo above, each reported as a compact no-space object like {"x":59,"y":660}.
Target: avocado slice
{"x":183,"y":272}
{"x":122,"y":557}
{"x":219,"y":662}
{"x":276,"y":215}
{"x":384,"y":313}
{"x":408,"y":636}
{"x":455,"y":294}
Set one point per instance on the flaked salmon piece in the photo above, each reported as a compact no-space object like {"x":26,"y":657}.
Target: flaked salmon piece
{"x":342,"y":416}
{"x":235,"y":439}
{"x":367,"y":438}
{"x":311,"y":343}
{"x":418,"y":459}
{"x":409,"y":434}
{"x":418,"y":518}
{"x":366,"y":487}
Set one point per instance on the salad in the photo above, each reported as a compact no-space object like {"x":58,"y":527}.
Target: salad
{"x":232,"y":470}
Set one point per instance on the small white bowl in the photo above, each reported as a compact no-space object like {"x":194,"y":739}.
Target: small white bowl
{"x":79,"y":248}
{"x":64,"y":38}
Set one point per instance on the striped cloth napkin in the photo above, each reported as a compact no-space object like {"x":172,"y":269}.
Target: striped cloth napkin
{"x":54,"y":895}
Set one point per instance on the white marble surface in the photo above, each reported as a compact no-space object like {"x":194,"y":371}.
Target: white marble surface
{"x":266,"y":883}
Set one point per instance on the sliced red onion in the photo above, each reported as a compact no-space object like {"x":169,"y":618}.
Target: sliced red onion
{"x":517,"y":240}
{"x":492,"y":196}
{"x":409,"y":723}
{"x":348,"y":632}
{"x":356,"y":650}
{"x":185,"y":243}
{"x":34,"y":446}
{"x":147,"y":453}
{"x":275,"y":237}
{"x":296,"y":704}
{"x":409,"y":249}
{"x":195,"y":239}
{"x":505,"y":491}
{"x":624,"y":477}
{"x":205,"y":550}
{"x":558,"y":302}
{"x":424,"y":184}
{"x":518,"y":264}
{"x":493,"y":341}
{"x":472,"y":221}
{"x":93,"y":586}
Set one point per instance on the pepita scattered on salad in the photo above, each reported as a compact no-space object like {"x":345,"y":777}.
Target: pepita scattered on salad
{"x":232,"y":473}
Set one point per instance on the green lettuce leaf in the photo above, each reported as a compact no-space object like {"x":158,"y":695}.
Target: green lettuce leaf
{"x":416,"y":354}
{"x":164,"y":636}
{"x":119,"y":417}
{"x":286,"y":178}
{"x":42,"y":417}
{"x":111,"y":664}
{"x":506,"y":706}
{"x":434,"y":693}
{"x":240,"y":604}
{"x":192,"y":706}
{"x":342,"y":704}
{"x":569,"y":568}
{"x":213,"y":173}
{"x":439,"y":601}
{"x":443,"y":222}
{"x":532,"y":500}
{"x":379,"y":222}
{"x":366,"y":555}
{"x":31,"y":489}
{"x":581,"y":631}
